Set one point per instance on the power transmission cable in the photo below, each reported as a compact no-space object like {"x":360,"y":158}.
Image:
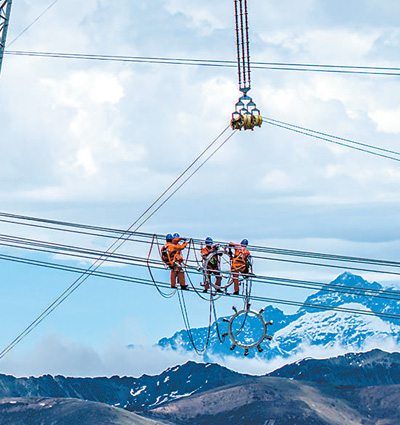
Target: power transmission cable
{"x":82,"y":252}
{"x":20,"y":220}
{"x":116,"y":245}
{"x":263,"y":250}
{"x":34,"y":22}
{"x":90,"y":254}
{"x":148,"y":282}
{"x":282,"y":66}
{"x":332,"y":266}
{"x":143,"y":262}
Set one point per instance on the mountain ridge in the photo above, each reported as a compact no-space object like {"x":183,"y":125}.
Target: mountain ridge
{"x":309,"y":391}
{"x":310,"y":327}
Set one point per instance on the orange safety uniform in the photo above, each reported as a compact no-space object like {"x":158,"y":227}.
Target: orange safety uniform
{"x":174,"y":261}
{"x":213,"y":267}
{"x":240,"y":263}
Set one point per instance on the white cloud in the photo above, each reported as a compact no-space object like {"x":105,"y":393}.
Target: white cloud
{"x":57,"y":355}
{"x":257,"y":366}
{"x":277,"y":180}
{"x":85,"y":87}
{"x":387,"y":121}
{"x":199,"y":13}
{"x":98,"y":141}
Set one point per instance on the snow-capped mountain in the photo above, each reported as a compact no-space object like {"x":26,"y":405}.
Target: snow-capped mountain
{"x":292,"y":334}
{"x":389,"y":304}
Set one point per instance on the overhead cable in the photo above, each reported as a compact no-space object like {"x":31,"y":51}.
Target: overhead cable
{"x":277,"y":66}
{"x":334,"y":139}
{"x":108,"y":232}
{"x":124,"y":259}
{"x":148,"y":282}
{"x":90,"y":253}
{"x":32,"y":23}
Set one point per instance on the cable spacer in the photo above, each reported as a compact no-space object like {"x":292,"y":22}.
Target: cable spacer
{"x":248,"y":346}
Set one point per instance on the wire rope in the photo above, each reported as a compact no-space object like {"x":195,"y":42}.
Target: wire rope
{"x":333,"y":137}
{"x":311,"y":133}
{"x":34,"y":22}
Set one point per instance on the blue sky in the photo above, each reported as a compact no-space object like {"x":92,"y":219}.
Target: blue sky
{"x":96,"y":142}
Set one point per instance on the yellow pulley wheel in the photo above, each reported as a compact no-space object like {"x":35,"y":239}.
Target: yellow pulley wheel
{"x":237,"y":123}
{"x":247,"y":122}
{"x":257,"y":120}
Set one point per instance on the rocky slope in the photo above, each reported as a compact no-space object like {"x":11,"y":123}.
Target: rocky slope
{"x":362,"y":389}
{"x":65,"y":411}
{"x":281,"y":401}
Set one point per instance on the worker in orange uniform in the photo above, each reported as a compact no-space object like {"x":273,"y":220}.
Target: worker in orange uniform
{"x":240,"y":263}
{"x":213,"y":266}
{"x":171,"y":255}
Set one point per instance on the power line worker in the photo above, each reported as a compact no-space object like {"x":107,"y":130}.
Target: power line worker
{"x":209,"y":252}
{"x":171,"y":256}
{"x":240,"y":263}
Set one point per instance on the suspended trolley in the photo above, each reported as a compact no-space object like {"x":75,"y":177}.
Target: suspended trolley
{"x":246,"y":115}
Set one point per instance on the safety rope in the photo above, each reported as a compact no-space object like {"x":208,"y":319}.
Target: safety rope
{"x":163,"y":294}
{"x":185,"y":316}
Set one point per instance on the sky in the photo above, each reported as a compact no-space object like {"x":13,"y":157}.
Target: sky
{"x":96,"y":142}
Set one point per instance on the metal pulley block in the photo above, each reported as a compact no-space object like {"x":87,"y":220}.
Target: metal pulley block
{"x":246,"y":115}
{"x":239,"y":122}
{"x":245,"y":121}
{"x":256,"y":120}
{"x":236,"y":121}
